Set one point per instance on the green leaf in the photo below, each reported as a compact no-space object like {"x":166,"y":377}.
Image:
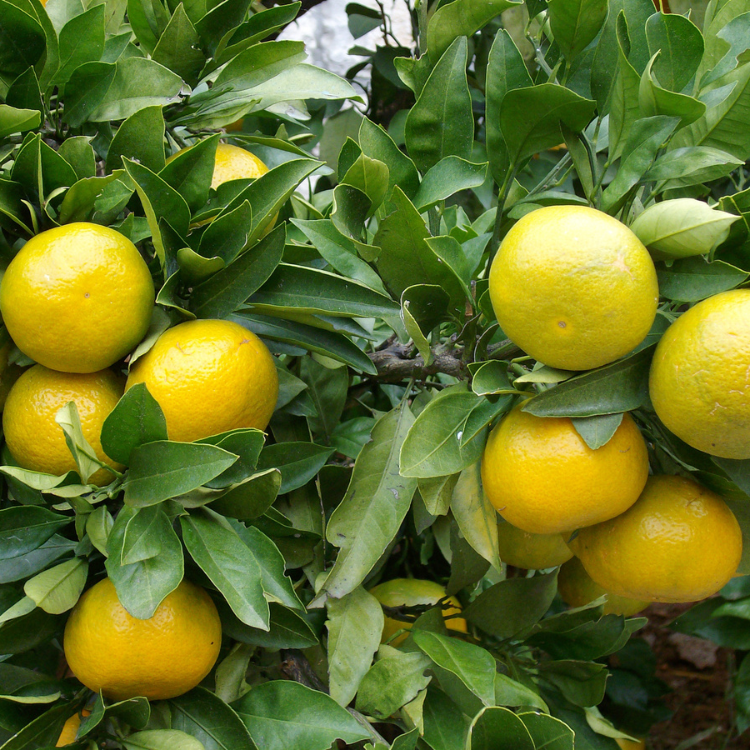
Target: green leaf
{"x":530,"y":118}
{"x":22,"y":42}
{"x":327,"y":389}
{"x":14,"y":120}
{"x":142,"y":586}
{"x":433,"y":446}
{"x":259,"y":26}
{"x":310,"y":290}
{"x":228,"y":235}
{"x":221,"y":19}
{"x":285,"y":715}
{"x":369,"y":176}
{"x":355,"y":626}
{"x":377,"y":144}
{"x":575,"y":24}
{"x":160,"y":203}
{"x":140,"y":138}
{"x":597,"y":431}
{"x":85,"y":90}
{"x":250,"y":498}
{"x":81,"y":40}
{"x":692,"y":165}
{"x":496,"y":728}
{"x":206,"y":717}
{"x":161,"y":739}
{"x":25,"y":565}
{"x":190,"y":171}
{"x":548,"y":732}
{"x":339,"y":251}
{"x":448,"y":177}
{"x":475,"y":515}
{"x":437,"y":492}
{"x":138,"y":83}
{"x":506,"y":70}
{"x":680,"y":44}
{"x":491,"y":378}
{"x":44,"y":730}
{"x":445,"y":725}
{"x":287,"y":629}
{"x":178,"y":47}
{"x":80,"y":200}
{"x":143,"y":535}
{"x":405,"y":254}
{"x":511,"y":606}
{"x":461,"y":18}
{"x":621,"y":386}
{"x":229,"y":563}
{"x":226,"y":290}
{"x":722,"y":126}
{"x":441,"y":122}
{"x":26,"y":528}
{"x":297,"y":462}
{"x":582,"y":683}
{"x":509,"y":692}
{"x":85,"y":457}
{"x":244,"y":442}
{"x":375,"y":505}
{"x":395,"y":679}
{"x":318,"y":340}
{"x":682,"y":227}
{"x":474,"y":666}
{"x":57,"y":590}
{"x":163,"y":469}
{"x":137,"y":419}
{"x":655,"y":100}
{"x":694,"y":279}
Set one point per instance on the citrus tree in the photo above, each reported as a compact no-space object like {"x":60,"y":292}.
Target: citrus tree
{"x":306,"y":408}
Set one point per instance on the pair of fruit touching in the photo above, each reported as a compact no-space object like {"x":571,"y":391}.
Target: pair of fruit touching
{"x":576,"y":289}
{"x":77,"y":299}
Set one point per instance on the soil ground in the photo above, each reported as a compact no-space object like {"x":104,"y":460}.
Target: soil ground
{"x":698,"y":674}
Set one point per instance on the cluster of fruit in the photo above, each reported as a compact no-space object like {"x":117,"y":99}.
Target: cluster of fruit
{"x":576,"y":289}
{"x":77,"y":300}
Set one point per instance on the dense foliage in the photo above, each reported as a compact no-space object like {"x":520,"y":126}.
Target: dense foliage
{"x":372,"y":292}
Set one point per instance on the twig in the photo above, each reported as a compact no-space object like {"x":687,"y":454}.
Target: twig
{"x":395,"y":364}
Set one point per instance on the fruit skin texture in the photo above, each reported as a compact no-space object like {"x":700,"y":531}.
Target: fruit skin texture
{"x":578,"y":589}
{"x":162,"y":657}
{"x":530,"y":551}
{"x":679,"y":543}
{"x":209,"y":376}
{"x":573,"y":287}
{"x":35,"y":440}
{"x":77,"y":298}
{"x":412,"y":592}
{"x":542,"y":477}
{"x":235,"y":163}
{"x":700,"y":376}
{"x":70,"y":729}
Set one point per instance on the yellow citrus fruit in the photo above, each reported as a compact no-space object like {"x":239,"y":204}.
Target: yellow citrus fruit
{"x":209,"y":376}
{"x":573,"y":287}
{"x":700,"y":376}
{"x":678,"y":543}
{"x":77,"y":298}
{"x":632,"y":745}
{"x":577,"y":588}
{"x":8,"y":374}
{"x":35,"y":440}
{"x":542,"y":477}
{"x":531,"y":551}
{"x":413,"y":592}
{"x":108,"y":649}
{"x":70,"y":728}
{"x":235,"y":163}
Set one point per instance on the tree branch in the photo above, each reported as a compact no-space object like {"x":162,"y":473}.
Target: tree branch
{"x":395,"y":364}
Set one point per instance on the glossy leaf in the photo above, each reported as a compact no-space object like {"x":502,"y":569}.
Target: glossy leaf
{"x":25,"y":528}
{"x":375,"y":505}
{"x":441,"y":124}
{"x":137,"y":419}
{"x":448,"y":177}
{"x":165,"y":469}
{"x":497,"y":728}
{"x":355,"y":625}
{"x":575,"y":23}
{"x":229,"y":563}
{"x":57,"y":590}
{"x":621,"y":386}
{"x":285,"y":715}
{"x":597,"y":431}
